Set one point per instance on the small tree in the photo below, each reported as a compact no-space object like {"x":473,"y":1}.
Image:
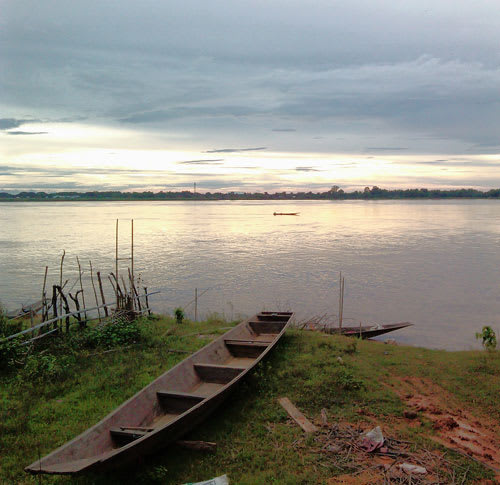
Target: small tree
{"x":179,"y":314}
{"x":489,"y":339}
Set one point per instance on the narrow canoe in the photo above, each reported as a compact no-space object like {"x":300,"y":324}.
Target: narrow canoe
{"x":172,"y":404}
{"x":368,"y":331}
{"x":286,"y":213}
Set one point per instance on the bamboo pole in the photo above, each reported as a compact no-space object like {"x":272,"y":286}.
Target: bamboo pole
{"x":132,"y":251}
{"x":196,"y":304}
{"x":340,"y":299}
{"x":342,"y":306}
{"x":134,"y":290}
{"x":116,"y":265}
{"x":102,"y":294}
{"x":95,"y":292}
{"x":342,"y":302}
{"x":81,"y":286}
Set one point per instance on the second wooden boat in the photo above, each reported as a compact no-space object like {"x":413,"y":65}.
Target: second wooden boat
{"x":367,"y":331}
{"x":171,"y":405}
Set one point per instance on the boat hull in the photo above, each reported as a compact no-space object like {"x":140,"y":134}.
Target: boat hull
{"x":173,"y":404}
{"x":367,"y":332}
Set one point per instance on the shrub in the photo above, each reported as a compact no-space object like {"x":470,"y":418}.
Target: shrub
{"x":489,"y":339}
{"x":47,"y":367}
{"x":115,"y":333}
{"x":179,"y":314}
{"x":10,"y":353}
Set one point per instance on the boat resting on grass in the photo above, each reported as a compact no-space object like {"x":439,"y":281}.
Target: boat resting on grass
{"x":172,"y":404}
{"x":367,"y":331}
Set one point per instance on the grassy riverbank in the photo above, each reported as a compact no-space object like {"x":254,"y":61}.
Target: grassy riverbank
{"x":44,"y":406}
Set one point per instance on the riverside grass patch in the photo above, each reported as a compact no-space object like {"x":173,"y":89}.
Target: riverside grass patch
{"x":254,"y":434}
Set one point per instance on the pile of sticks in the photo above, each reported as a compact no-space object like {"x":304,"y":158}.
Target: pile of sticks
{"x":338,"y":446}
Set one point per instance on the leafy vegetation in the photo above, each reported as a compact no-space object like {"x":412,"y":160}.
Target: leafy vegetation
{"x":179,"y":315}
{"x":488,"y":337}
{"x":66,"y":387}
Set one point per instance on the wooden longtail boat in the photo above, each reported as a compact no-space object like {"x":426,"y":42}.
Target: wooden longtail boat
{"x":286,"y":213}
{"x":172,"y":404}
{"x":368,"y":331}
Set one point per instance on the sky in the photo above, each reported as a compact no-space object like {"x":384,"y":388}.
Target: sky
{"x":249,"y":95}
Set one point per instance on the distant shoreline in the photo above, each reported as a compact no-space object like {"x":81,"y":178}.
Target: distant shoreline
{"x":336,"y":193}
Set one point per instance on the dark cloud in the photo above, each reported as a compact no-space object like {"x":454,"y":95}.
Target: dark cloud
{"x":235,"y":150}
{"x":27,"y":132}
{"x":385,"y":149}
{"x":284,"y":130}
{"x":306,"y":169}
{"x":216,"y":161}
{"x":8,"y":123}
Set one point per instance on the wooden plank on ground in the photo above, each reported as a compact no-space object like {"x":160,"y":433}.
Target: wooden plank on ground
{"x":198,"y":445}
{"x":297,"y":416}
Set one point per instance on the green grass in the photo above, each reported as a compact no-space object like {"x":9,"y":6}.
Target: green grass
{"x":252,"y":431}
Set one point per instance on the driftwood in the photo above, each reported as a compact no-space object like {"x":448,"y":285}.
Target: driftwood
{"x":297,"y":416}
{"x":198,"y":445}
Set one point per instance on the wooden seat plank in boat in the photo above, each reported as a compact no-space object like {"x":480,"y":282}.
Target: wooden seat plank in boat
{"x":172,"y":404}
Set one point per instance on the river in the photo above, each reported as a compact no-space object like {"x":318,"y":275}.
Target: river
{"x":434,"y":263}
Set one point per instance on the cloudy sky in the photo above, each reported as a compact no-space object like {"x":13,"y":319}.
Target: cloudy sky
{"x":249,"y":95}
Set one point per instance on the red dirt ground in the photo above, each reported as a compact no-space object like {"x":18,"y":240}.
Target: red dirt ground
{"x":455,"y":427}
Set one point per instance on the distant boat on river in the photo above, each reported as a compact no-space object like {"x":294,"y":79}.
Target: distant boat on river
{"x":286,"y":213}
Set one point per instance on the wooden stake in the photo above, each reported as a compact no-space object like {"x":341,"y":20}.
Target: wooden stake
{"x":102,"y":294}
{"x":95,"y":292}
{"x":340,"y":300}
{"x":77,"y":306}
{"x":136,"y":300}
{"x":147,"y":300}
{"x":81,"y":285}
{"x":54,"y":304}
{"x":66,"y":306}
{"x":196,"y":304}
{"x":60,"y":278}
{"x":44,"y":296}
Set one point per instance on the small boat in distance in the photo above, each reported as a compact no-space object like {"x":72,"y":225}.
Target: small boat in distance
{"x":286,"y":213}
{"x":171,"y":405}
{"x":367,"y":331}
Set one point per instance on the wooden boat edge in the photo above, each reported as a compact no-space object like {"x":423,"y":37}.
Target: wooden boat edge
{"x":90,"y":463}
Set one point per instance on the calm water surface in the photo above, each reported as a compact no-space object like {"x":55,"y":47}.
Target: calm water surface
{"x":434,"y":263}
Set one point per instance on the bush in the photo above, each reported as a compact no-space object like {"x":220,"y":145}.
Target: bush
{"x":489,"y":339}
{"x":10,"y":353}
{"x":46,"y":367}
{"x":118,"y":332}
{"x":179,"y":314}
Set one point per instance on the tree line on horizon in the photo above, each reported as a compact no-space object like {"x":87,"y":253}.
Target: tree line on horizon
{"x":335,"y":193}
